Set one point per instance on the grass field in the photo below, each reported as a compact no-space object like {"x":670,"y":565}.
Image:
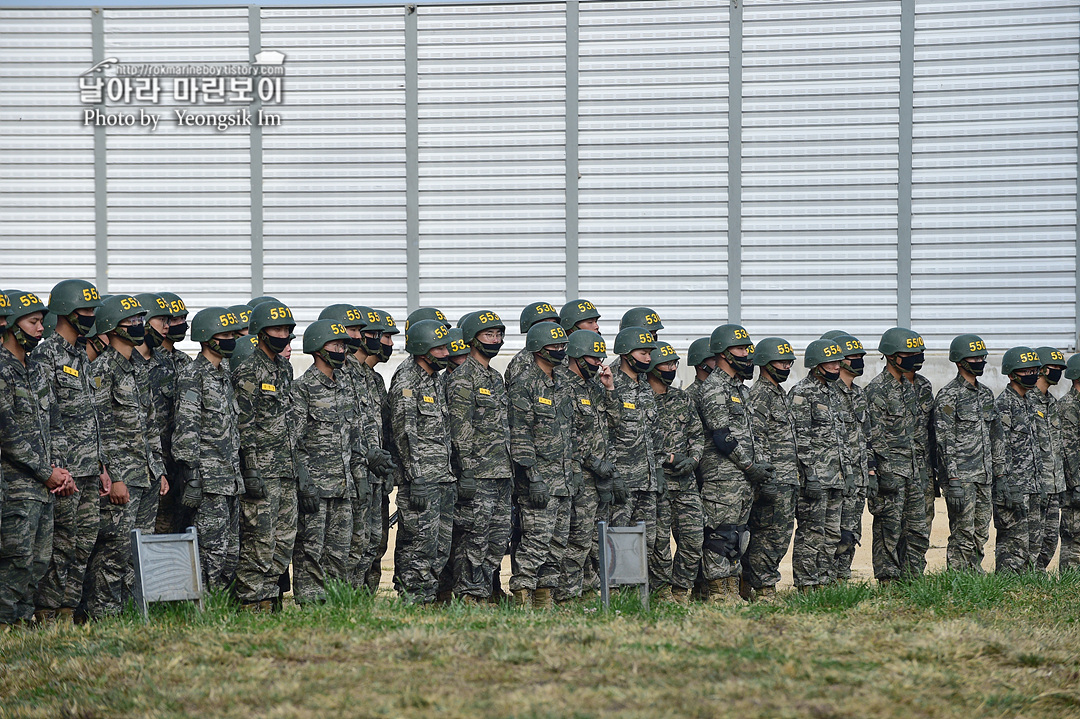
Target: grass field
{"x":951,"y":645}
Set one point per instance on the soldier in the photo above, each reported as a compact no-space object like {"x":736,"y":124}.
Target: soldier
{"x":898,"y":498}
{"x":286,"y":354}
{"x":1045,"y":529}
{"x":679,"y":513}
{"x":530,"y":315}
{"x":30,"y":475}
{"x":1069,"y":409}
{"x":926,"y":466}
{"x":428,"y":491}
{"x":331,"y":464}
{"x":772,"y":513}
{"x":641,"y":317}
{"x":386,"y":332}
{"x":541,"y":443}
{"x":730,"y":466}
{"x":480,"y":429}
{"x":857,"y":461}
{"x":76,"y":442}
{"x":206,"y":445}
{"x":592,"y":390}
{"x":132,"y":450}
{"x":243,"y":313}
{"x":172,"y":516}
{"x":459,"y":351}
{"x":1016,"y":493}
{"x":268,"y":512}
{"x":579,"y":315}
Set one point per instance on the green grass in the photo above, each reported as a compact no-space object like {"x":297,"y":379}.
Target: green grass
{"x":949,"y":645}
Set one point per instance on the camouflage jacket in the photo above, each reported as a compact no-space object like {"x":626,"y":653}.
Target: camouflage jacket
{"x":368,"y":413}
{"x":163,"y":378}
{"x":518,"y":364}
{"x":680,"y":432}
{"x":1048,"y":433}
{"x":634,"y":433}
{"x":378,"y":386}
{"x":328,"y":440}
{"x":851,"y":407}
{"x":480,"y":420}
{"x":207,"y":437}
{"x":419,"y":417}
{"x":1069,"y":409}
{"x":820,"y":433}
{"x":723,"y":406}
{"x":1021,"y":446}
{"x":593,"y":405}
{"x":925,"y":444}
{"x":894,"y":412}
{"x":263,"y":395}
{"x":129,"y":427}
{"x":540,"y":427}
{"x":968,"y":432}
{"x":774,"y":430}
{"x":26,"y":406}
{"x":77,"y":441}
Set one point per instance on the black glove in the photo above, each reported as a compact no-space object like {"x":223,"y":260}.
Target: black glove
{"x":1072,"y":498}
{"x":955,"y":490}
{"x":603,"y":469}
{"x":620,"y":493}
{"x":380,"y":461}
{"x":604,"y":494}
{"x":872,"y":487}
{"x":1013,"y":499}
{"x":539,"y":496}
{"x":253,"y":484}
{"x":769,"y":492}
{"x":725,"y":441}
{"x":419,"y":497}
{"x":306,"y":494}
{"x":467,"y":485}
{"x":760,"y":472}
{"x":192,"y":496}
{"x":680,"y":465}
{"x":812,"y":490}
{"x":849,"y":485}
{"x":661,"y":483}
{"x":887,"y":484}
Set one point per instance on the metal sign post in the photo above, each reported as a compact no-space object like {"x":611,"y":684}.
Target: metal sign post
{"x":624,"y":560}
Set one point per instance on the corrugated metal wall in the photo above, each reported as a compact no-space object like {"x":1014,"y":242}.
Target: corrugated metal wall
{"x":993,"y":117}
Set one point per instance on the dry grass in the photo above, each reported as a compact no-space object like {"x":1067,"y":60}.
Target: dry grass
{"x":948,"y":646}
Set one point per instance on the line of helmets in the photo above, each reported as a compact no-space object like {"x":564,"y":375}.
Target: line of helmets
{"x":234,"y":332}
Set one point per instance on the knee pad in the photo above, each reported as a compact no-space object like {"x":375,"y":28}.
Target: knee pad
{"x":847,"y":544}
{"x":725,"y":540}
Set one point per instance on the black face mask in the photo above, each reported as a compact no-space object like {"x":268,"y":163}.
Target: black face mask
{"x":743,"y":366}
{"x":153,"y":338}
{"x":667,"y":377}
{"x":553,"y":356}
{"x":177,"y":333}
{"x":488,"y":349}
{"x":780,"y":375}
{"x":354,"y":343}
{"x":828,"y":376}
{"x":372,"y":344}
{"x":132,"y":333}
{"x":974,"y":367}
{"x":25,"y":341}
{"x":587,"y":370}
{"x":276,"y":345}
{"x":385,"y":351}
{"x":910,"y":364}
{"x":1028,"y":380}
{"x":334,"y":359}
{"x":1053,"y":375}
{"x":437,"y":363}
{"x":856,"y":365}
{"x":639,"y":367}
{"x":225,"y":348}
{"x":81,"y":323}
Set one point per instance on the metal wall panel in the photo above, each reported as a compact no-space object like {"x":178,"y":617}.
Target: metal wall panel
{"x":334,"y":172}
{"x":492,"y":157}
{"x":46,"y":155}
{"x":653,"y":162}
{"x":819,"y":167}
{"x":179,"y":198}
{"x":994,"y":181}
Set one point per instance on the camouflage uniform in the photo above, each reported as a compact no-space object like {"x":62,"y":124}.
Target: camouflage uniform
{"x":726,"y":493}
{"x":132,"y":450}
{"x":378,"y":551}
{"x":925,"y":451}
{"x":854,"y":416}
{"x":208,"y":440}
{"x":480,"y":429}
{"x":901,"y":536}
{"x":1016,"y":493}
{"x":419,"y":416}
{"x":26,"y":405}
{"x":1069,"y":409}
{"x":77,"y":444}
{"x":165,"y":368}
{"x":772,"y":514}
{"x":517,"y":364}
{"x":541,"y":420}
{"x":367,"y":523}
{"x":267,"y":525}
{"x":1045,"y":527}
{"x":330,"y":447}
{"x":679,"y":511}
{"x":968,"y":436}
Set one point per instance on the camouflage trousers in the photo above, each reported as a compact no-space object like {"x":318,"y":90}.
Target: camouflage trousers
{"x":367,"y":538}
{"x":817,"y":532}
{"x":110,"y":576}
{"x":1051,"y":530}
{"x":75,"y":529}
{"x":422,"y":546}
{"x":172,"y":517}
{"x":481,"y":530}
{"x":726,"y":506}
{"x":1070,"y":534}
{"x":267,"y":537}
{"x":1013,"y":547}
{"x":679,"y":515}
{"x":217,"y":521}
{"x":591,"y":579}
{"x":374,"y":572}
{"x":770,"y":524}
{"x":641,"y":506}
{"x":850,"y":521}
{"x":321,"y":550}
{"x":25,"y":549}
{"x":580,"y":543}
{"x":969,"y":525}
{"x":538,"y":561}
{"x":900,"y":535}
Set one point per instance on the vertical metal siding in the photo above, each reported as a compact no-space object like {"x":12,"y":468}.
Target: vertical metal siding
{"x":46,"y":155}
{"x":819,"y":164}
{"x":994,"y":182}
{"x":653,"y":162}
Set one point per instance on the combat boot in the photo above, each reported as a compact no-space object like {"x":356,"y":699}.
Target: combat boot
{"x":680,"y":596}
{"x":663,"y":594}
{"x":724,"y":591}
{"x":745,"y":590}
{"x":44,"y":616}
{"x":251,"y":607}
{"x":766,"y":595}
{"x":523,"y":598}
{"x":266,"y":606}
{"x":542,"y":598}
{"x":65,"y":616}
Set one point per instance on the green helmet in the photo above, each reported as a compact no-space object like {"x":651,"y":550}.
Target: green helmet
{"x":426,"y":313}
{"x":177,"y":308}
{"x":270,"y":314}
{"x":964,"y":346}
{"x":376,"y":320}
{"x":424,"y":335}
{"x":586,"y":343}
{"x":245,"y":347}
{"x":1072,"y":368}
{"x":319,"y":332}
{"x":821,"y":351}
{"x":154,"y":305}
{"x":115,"y":309}
{"x":348,"y":315}
{"x":575,"y":311}
{"x":243,"y":313}
{"x":1050,"y":356}
{"x":23,"y":304}
{"x":699,"y":352}
{"x":833,"y":334}
{"x":480,"y":321}
{"x":641,"y":317}
{"x":900,"y":339}
{"x":5,"y":305}
{"x":772,"y":349}
{"x":457,"y":344}
{"x":461,"y":320}
{"x":849,"y":344}
{"x":211,"y":321}
{"x":536,"y":312}
{"x":50,"y":325}
{"x":664,"y":352}
{"x":634,"y":338}
{"x":256,"y":301}
{"x":389,"y":320}
{"x":1019,"y":358}
{"x":70,"y":295}
{"x":727,"y":336}
{"x":543,"y":334}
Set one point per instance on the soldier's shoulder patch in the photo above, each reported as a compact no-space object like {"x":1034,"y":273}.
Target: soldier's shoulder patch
{"x":798,"y":399}
{"x":247,"y":387}
{"x":822,"y":407}
{"x":22,"y":392}
{"x":191,"y":396}
{"x":463,"y":392}
{"x":406,"y":392}
{"x":1006,"y":419}
{"x":946,"y":409}
{"x":97,"y":383}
